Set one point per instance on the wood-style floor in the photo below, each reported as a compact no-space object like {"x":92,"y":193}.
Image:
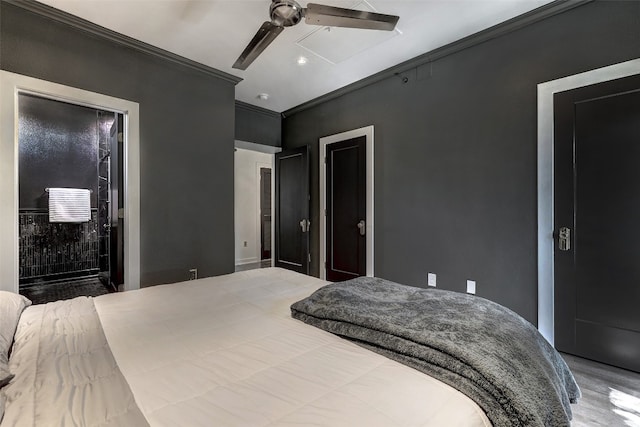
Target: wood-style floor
{"x":610,"y":396}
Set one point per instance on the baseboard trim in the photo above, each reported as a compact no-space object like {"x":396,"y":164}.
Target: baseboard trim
{"x":247,"y":261}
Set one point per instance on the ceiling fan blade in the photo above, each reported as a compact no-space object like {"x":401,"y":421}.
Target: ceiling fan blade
{"x":319,"y":14}
{"x":263,"y":38}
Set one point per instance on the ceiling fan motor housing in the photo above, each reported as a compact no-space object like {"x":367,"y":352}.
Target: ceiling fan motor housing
{"x":285,"y":13}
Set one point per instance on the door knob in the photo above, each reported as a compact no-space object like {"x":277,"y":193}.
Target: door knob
{"x":304,"y":225}
{"x":564,"y":239}
{"x":362,"y":227}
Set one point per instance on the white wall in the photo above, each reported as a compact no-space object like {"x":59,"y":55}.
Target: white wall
{"x":247,"y":187}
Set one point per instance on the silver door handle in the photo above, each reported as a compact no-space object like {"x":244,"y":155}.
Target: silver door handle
{"x":362,"y":227}
{"x":564,"y":239}
{"x":304,"y":225}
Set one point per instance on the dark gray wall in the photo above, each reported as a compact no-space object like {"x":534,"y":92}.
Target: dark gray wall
{"x":258,"y":125}
{"x":186,"y":137}
{"x":455,"y":151}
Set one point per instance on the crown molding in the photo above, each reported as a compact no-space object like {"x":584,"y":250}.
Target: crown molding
{"x":104,"y":33}
{"x":252,"y":146}
{"x":506,"y":27}
{"x":255,"y":109}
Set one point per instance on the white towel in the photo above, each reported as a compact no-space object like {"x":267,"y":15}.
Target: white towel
{"x":69,"y":205}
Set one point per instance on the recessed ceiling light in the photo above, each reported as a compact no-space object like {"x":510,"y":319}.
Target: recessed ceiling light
{"x":263,"y":96}
{"x":302,"y":60}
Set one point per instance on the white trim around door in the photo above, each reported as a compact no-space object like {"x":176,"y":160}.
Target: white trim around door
{"x":367,"y":132}
{"x":11,"y":85}
{"x":545,"y":179}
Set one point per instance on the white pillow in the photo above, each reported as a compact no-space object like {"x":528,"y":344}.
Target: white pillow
{"x":11,"y":306}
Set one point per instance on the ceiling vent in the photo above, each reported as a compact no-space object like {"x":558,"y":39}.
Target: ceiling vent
{"x":337,"y":44}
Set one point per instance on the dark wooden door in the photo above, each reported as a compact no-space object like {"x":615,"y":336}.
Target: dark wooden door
{"x":265,"y":213}
{"x":597,"y":222}
{"x":346,"y":209}
{"x":292,"y":210}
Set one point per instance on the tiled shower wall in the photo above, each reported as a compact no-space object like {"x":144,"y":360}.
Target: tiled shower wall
{"x":59,"y":147}
{"x":49,"y":249}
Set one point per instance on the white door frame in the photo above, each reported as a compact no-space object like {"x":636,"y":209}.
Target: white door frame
{"x":11,"y":85}
{"x":367,"y":132}
{"x":545,"y":179}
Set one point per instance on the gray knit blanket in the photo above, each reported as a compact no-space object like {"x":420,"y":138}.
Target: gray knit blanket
{"x":481,"y":348}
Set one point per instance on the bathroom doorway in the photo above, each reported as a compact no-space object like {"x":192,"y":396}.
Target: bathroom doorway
{"x":253,"y":183}
{"x":69,"y":173}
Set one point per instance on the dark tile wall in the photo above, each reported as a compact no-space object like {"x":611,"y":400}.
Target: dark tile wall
{"x":51,"y":250}
{"x":57,"y":148}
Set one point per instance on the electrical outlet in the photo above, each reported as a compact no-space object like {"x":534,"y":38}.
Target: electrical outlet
{"x":431,"y":279}
{"x":471,"y":286}
{"x":193,"y":274}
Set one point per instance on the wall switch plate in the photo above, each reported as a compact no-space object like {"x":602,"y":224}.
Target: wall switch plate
{"x":193,"y":274}
{"x":431,"y":279}
{"x":471,"y":286}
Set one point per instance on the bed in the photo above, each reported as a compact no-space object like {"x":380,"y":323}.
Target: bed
{"x":221,"y":351}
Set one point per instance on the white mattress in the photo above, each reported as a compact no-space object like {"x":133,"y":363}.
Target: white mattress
{"x":224,"y":351}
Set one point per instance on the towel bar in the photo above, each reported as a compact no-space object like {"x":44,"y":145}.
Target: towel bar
{"x":47,"y":190}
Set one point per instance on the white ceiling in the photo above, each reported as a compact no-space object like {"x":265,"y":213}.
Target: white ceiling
{"x":215,"y":32}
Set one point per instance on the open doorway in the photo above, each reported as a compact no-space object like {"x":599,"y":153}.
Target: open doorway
{"x":70,"y":167}
{"x":12,"y":85}
{"x":253,"y":195}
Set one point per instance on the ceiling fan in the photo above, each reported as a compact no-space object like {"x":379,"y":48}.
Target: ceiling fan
{"x":286,"y":13}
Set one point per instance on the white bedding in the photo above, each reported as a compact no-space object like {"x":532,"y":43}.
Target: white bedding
{"x":224,"y":351}
{"x":65,"y":374}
